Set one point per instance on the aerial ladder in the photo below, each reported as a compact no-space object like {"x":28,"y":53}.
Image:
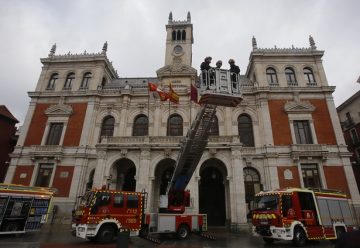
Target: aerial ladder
{"x":216,"y":87}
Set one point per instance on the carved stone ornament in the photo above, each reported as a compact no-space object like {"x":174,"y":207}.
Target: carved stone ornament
{"x":59,"y":110}
{"x":176,"y":68}
{"x":299,"y":107}
{"x":167,"y":152}
{"x":124,"y":152}
{"x":288,"y":175}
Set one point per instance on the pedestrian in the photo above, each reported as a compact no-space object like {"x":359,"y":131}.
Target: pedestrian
{"x":206,"y":64}
{"x":218,"y":64}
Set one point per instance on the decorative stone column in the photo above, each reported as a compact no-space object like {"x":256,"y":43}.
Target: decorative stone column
{"x":99,"y":175}
{"x":237,"y":192}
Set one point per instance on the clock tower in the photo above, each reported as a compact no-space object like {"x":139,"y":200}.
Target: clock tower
{"x":178,"y":54}
{"x":179,"y":40}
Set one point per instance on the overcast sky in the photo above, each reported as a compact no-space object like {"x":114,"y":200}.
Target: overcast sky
{"x":135,"y":32}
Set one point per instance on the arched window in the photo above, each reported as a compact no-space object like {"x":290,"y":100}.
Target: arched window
{"x":86,"y":80}
{"x":178,"y":36}
{"x":246,"y":130}
{"x":175,"y":126}
{"x":141,"y":126}
{"x":107,"y":127}
{"x":214,"y":130}
{"x":183,"y":36}
{"x":54,"y":77}
{"x":69,"y":80}
{"x":173,"y":34}
{"x":309,"y":76}
{"x":252,"y":186}
{"x":271,"y":76}
{"x":290,"y":76}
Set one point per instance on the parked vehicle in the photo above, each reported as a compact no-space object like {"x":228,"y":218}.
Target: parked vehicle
{"x":23,"y":208}
{"x":302,"y":214}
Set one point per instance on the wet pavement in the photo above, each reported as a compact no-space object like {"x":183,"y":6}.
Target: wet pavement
{"x":59,"y":236}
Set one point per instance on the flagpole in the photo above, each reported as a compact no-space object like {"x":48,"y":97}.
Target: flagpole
{"x":148,"y":107}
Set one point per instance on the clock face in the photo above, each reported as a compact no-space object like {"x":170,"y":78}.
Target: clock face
{"x":178,"y":49}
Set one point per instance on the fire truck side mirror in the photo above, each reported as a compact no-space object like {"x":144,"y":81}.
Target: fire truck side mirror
{"x":187,"y":200}
{"x":55,"y":209}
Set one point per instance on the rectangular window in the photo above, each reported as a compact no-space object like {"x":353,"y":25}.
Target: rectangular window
{"x":311,"y":177}
{"x":354,"y":136}
{"x":44,"y":175}
{"x":119,"y":200}
{"x":54,"y":134}
{"x":132,"y":201}
{"x":303,"y":132}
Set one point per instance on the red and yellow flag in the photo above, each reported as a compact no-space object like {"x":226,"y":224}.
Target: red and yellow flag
{"x":173,"y":97}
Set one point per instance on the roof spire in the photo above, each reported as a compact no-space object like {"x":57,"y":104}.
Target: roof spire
{"x":188,"y":16}
{"x":104,"y":49}
{"x":52,"y":50}
{"x":170,"y":17}
{"x":254,"y":43}
{"x":312,"y":42}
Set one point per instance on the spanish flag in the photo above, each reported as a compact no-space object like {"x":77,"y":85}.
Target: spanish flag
{"x":173,"y":97}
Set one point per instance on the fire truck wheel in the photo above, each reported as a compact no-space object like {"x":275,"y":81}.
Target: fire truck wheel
{"x":106,"y":234}
{"x":268,"y":240}
{"x":183,"y":232}
{"x":299,"y":237}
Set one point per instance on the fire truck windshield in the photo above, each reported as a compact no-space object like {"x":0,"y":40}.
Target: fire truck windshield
{"x":267,"y":202}
{"x":86,"y":199}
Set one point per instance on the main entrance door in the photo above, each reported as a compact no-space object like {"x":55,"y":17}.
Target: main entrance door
{"x":212,"y":194}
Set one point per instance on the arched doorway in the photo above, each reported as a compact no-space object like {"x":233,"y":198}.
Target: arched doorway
{"x":163,"y":174}
{"x":252,"y":187}
{"x":212,"y":192}
{"x":123,"y":175}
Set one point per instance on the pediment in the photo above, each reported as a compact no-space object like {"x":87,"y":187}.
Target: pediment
{"x":59,"y":110}
{"x":299,"y":107}
{"x":180,"y":69}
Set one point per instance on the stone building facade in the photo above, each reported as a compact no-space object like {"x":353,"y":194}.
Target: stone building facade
{"x":87,"y":127}
{"x":349,"y":115}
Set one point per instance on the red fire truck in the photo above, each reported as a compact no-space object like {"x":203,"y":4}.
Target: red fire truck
{"x":23,"y":208}
{"x":302,"y":214}
{"x":102,"y":213}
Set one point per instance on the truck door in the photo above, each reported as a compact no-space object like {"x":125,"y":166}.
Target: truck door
{"x":133,"y":211}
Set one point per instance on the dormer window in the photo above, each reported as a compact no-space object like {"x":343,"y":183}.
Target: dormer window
{"x":69,"y":80}
{"x":309,"y":76}
{"x":86,"y":80}
{"x":52,"y":81}
{"x":290,"y":76}
{"x":271,"y":76}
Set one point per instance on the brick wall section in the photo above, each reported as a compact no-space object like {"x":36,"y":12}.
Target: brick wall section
{"x":336,"y":179}
{"x":283,"y":183}
{"x":37,"y":125}
{"x":279,"y":123}
{"x":61,"y":183}
{"x":75,"y":124}
{"x":322,"y":123}
{"x":28,"y":169}
{"x":73,"y":130}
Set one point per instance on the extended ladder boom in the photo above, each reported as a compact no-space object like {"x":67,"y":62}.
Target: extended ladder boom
{"x":192,"y":148}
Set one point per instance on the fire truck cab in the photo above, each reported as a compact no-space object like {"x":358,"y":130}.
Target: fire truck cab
{"x":100,"y":214}
{"x":302,"y":214}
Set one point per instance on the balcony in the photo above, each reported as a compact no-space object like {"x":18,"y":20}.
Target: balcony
{"x":50,"y":151}
{"x":309,"y":150}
